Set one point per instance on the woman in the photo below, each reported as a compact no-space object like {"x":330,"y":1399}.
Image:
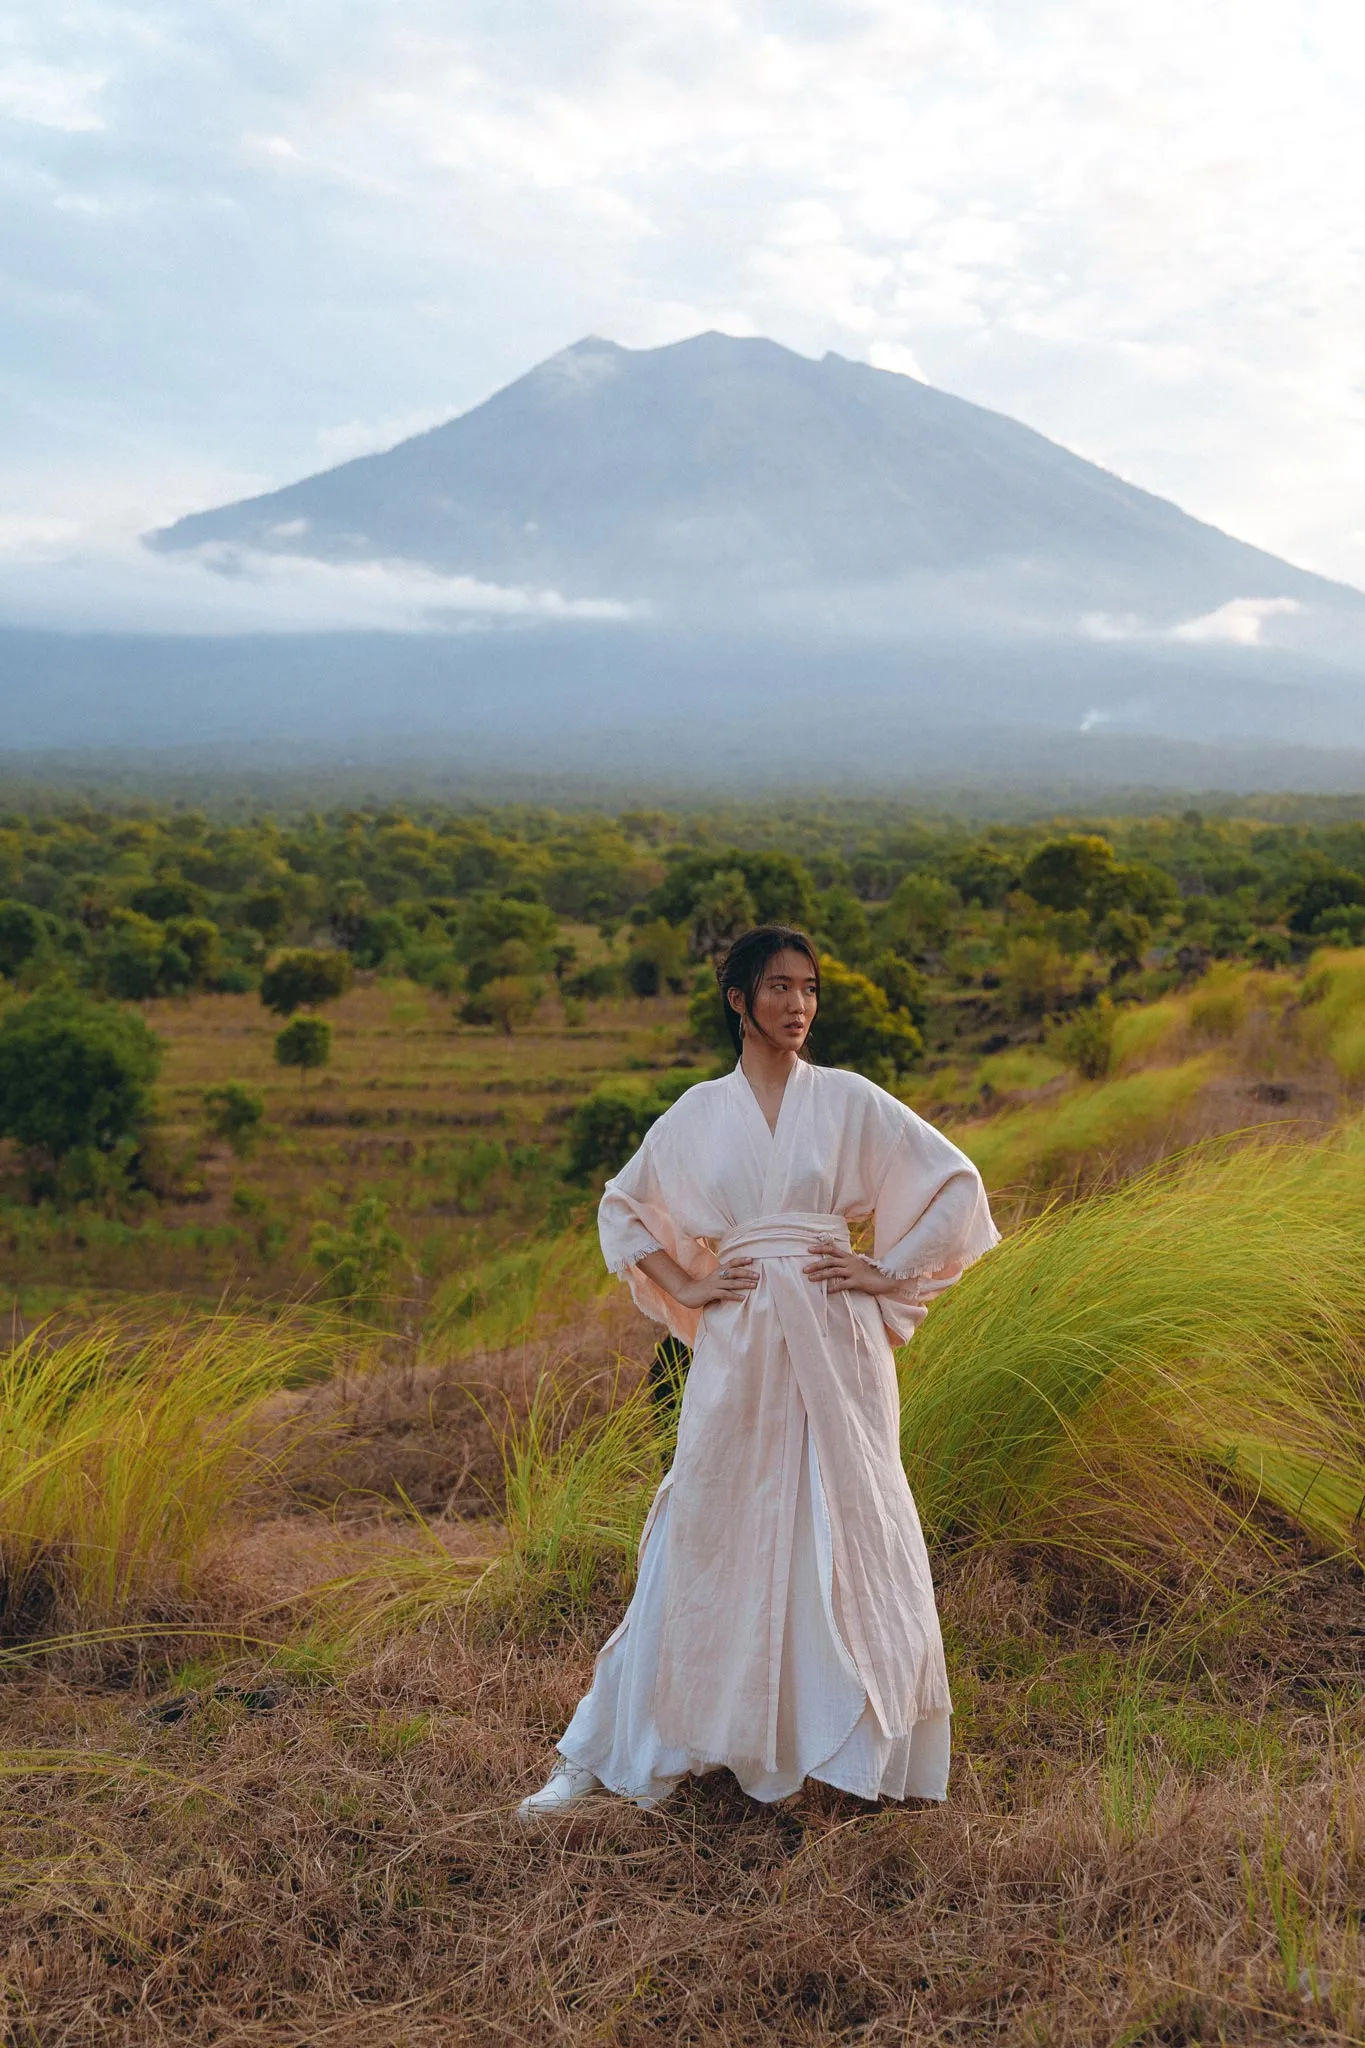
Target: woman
{"x":783,"y":1623}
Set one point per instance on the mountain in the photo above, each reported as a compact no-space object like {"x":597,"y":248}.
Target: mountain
{"x":735,"y":472}
{"x":722,"y":551}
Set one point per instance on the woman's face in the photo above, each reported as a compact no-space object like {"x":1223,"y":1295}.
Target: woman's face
{"x":784,"y":1001}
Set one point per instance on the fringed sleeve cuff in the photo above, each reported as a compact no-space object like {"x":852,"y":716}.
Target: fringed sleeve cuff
{"x":622,"y":1261}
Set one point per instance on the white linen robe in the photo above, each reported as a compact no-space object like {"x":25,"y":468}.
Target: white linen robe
{"x":793,"y":1592}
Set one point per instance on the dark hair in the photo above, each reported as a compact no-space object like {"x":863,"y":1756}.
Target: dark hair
{"x":742,"y":969}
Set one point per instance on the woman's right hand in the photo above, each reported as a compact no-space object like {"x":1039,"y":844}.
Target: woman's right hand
{"x":730,"y":1282}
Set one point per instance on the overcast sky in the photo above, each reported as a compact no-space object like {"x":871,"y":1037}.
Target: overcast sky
{"x":243,"y":239}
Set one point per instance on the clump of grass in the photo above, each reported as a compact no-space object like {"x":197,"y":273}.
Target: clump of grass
{"x":122,"y":1457}
{"x":1331,"y":1021}
{"x":1126,"y":1376}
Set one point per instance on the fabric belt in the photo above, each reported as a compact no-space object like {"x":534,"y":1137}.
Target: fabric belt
{"x":787,"y":1236}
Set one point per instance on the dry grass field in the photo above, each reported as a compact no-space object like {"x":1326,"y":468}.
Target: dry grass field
{"x":294,"y":1605}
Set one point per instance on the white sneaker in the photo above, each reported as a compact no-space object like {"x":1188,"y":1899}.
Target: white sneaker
{"x":567,"y":1785}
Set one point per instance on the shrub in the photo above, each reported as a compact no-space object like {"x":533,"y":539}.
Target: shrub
{"x":608,"y":1125}
{"x":75,"y":1075}
{"x":302,"y":979}
{"x":1086,"y":1041}
{"x":234,"y":1113}
{"x":304,"y":1044}
{"x":357,"y":1261}
{"x":509,"y":1000}
{"x":592,"y":984}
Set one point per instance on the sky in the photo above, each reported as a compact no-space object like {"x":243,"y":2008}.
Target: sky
{"x":241,"y":242}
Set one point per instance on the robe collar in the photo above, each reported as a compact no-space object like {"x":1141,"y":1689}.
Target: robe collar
{"x":771,"y":1144}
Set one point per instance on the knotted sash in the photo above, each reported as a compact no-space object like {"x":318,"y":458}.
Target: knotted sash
{"x":786,"y":1356}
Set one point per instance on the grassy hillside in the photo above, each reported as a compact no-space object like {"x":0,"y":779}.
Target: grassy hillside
{"x":321,"y":1484}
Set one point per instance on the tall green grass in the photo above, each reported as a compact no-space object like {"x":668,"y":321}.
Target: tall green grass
{"x":1130,"y":1373}
{"x":122,"y":1457}
{"x":1134,"y":1379}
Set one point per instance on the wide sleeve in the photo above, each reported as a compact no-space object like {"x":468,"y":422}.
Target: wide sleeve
{"x":634,"y":1218}
{"x":932,"y":1219}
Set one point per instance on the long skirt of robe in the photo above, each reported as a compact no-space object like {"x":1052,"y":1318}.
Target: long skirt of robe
{"x":825,"y":1726}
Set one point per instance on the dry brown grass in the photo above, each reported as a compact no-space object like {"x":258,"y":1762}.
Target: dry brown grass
{"x":305,"y":1856}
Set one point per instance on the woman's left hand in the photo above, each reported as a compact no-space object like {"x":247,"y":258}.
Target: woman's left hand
{"x":840,"y":1272}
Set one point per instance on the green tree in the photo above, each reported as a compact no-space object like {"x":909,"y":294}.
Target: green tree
{"x":233,"y":1112}
{"x":1062,"y":873}
{"x":498,"y":935}
{"x":306,"y":1043}
{"x":721,"y":910}
{"x":76,"y":1075}
{"x":1133,"y":888}
{"x":842,"y":924}
{"x":199,"y":941}
{"x":1314,"y":905}
{"x":855,"y":1026}
{"x":904,"y":987}
{"x":22,"y":931}
{"x":778,"y":884}
{"x":1122,"y":937}
{"x":266,"y":912}
{"x":302,"y":979}
{"x":657,"y":959}
{"x":134,"y":957}
{"x":920,"y":915}
{"x":357,"y":1261}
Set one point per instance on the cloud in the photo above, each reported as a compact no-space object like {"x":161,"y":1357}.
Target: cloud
{"x":224,"y":590}
{"x":1239,"y":623}
{"x":47,"y":96}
